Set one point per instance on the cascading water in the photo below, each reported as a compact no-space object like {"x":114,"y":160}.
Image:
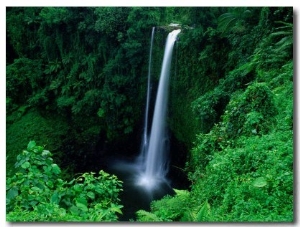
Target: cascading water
{"x":145,"y":179}
{"x":144,"y":148}
{"x":155,"y":167}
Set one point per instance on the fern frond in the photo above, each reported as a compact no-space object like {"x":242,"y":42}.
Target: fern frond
{"x":281,"y":33}
{"x":181,"y":192}
{"x":145,"y":216}
{"x":204,"y":212}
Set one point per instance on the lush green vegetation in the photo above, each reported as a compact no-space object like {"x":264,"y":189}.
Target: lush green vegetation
{"x":241,"y":161}
{"x":37,"y":193}
{"x":76,"y":81}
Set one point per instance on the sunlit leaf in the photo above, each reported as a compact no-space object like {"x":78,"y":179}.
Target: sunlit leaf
{"x":260,"y":182}
{"x":25,"y":165}
{"x":35,"y":189}
{"x":31,"y":145}
{"x":78,"y":187}
{"x":116,"y":208}
{"x":91,"y":195}
{"x":74,"y":210}
{"x":55,"y":169}
{"x":46,"y":153}
{"x":81,"y":203}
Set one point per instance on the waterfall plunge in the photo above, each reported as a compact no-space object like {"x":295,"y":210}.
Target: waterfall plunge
{"x":145,"y":138}
{"x":145,"y":179}
{"x":154,"y":163}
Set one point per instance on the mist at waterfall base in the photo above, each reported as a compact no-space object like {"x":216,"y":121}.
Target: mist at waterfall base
{"x":145,"y":178}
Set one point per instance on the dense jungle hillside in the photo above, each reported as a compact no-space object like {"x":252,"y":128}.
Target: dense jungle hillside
{"x":76,"y":83}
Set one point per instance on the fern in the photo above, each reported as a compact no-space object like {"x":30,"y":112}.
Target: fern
{"x":204,"y":212}
{"x":145,"y":216}
{"x":286,"y":34}
{"x":233,"y":21}
{"x":169,"y":208}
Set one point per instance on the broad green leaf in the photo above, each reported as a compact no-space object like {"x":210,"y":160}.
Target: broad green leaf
{"x":35,"y":189}
{"x":49,"y":184}
{"x":12,"y":193}
{"x":181,"y":192}
{"x":55,"y":198}
{"x":104,"y":174}
{"x":74,"y":210}
{"x":116,"y":208}
{"x":25,"y":165}
{"x":38,"y":149}
{"x":78,"y":187}
{"x":260,"y":182}
{"x":81,"y":203}
{"x":55,"y":169}
{"x":46,"y":153}
{"x":47,"y":169}
{"x":99,"y":190}
{"x":91,"y":195}
{"x":81,"y":200}
{"x":31,"y":145}
{"x":82,"y":207}
{"x":203,"y":213}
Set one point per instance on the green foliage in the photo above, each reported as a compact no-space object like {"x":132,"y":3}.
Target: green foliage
{"x":80,"y":62}
{"x":24,"y":77}
{"x":212,"y":104}
{"x":203,"y":213}
{"x":25,"y":124}
{"x":286,"y":33}
{"x":248,"y":113}
{"x":276,"y":49}
{"x":145,"y":216}
{"x":110,"y":20}
{"x":54,"y":15}
{"x":37,"y":193}
{"x":169,"y":208}
{"x":234,"y":21}
{"x":246,"y":156}
{"x":248,"y":152}
{"x":252,"y":112}
{"x":204,"y":147}
{"x":244,"y":181}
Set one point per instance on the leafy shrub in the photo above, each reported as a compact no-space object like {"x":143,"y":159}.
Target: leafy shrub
{"x":23,"y":78}
{"x":198,"y":213}
{"x":169,"y":208}
{"x":275,"y":49}
{"x":37,"y":193}
{"x":204,"y":148}
{"x":25,"y":124}
{"x":252,"y":112}
{"x":209,"y":107}
{"x":252,"y":181}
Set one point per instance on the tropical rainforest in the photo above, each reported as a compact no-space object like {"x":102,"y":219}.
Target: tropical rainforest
{"x":76,"y":83}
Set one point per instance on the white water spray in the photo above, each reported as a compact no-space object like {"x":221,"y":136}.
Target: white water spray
{"x":155,"y":166}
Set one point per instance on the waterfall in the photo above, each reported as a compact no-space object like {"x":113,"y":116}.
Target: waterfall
{"x":155,"y":166}
{"x":144,"y":180}
{"x":144,"y":148}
